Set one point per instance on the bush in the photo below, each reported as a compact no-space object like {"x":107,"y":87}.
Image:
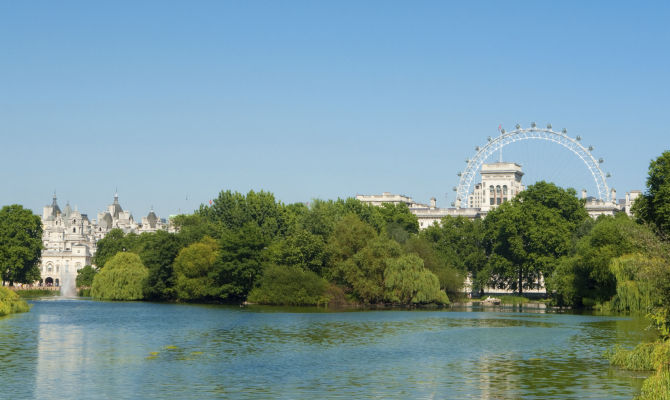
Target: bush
{"x":195,"y":271}
{"x":85,"y":276}
{"x":122,"y":278}
{"x":293,"y":286}
{"x":11,"y":303}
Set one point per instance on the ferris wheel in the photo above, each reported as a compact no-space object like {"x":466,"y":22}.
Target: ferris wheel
{"x":495,"y":144}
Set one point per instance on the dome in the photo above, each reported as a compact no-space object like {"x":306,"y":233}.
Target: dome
{"x":152,"y":218}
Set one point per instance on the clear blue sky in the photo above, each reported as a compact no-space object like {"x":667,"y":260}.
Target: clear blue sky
{"x":173,"y":101}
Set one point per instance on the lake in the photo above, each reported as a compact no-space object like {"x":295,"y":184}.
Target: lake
{"x":133,"y":350}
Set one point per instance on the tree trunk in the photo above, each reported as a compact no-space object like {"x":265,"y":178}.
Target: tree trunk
{"x":520,"y":281}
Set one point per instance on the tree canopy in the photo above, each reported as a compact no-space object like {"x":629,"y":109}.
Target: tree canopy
{"x":654,"y":206}
{"x":21,"y":249}
{"x":122,"y":278}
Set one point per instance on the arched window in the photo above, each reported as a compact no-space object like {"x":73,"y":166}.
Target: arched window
{"x":74,"y":221}
{"x":505,"y":190}
{"x":49,"y":267}
{"x":74,"y":230}
{"x":492,"y":195}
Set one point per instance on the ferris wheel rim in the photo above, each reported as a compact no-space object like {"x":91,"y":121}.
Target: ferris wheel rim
{"x":533,"y":133}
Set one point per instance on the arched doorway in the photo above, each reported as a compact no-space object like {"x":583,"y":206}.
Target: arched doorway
{"x":49,"y":281}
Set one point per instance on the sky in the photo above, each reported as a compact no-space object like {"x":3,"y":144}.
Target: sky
{"x":171,"y":102}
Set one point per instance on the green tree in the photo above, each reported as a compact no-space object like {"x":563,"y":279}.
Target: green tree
{"x":158,"y":251}
{"x":450,"y":278}
{"x":21,"y":239}
{"x":291,"y":285}
{"x":363,"y":273}
{"x":459,"y":241}
{"x":586,"y":273}
{"x":85,"y":276}
{"x":654,"y":206}
{"x":242,"y":260}
{"x":196,"y":273}
{"x":527,"y":236}
{"x":122,"y":278}
{"x":299,"y":249}
{"x":233,"y":210}
{"x":406,"y":281}
{"x":11,"y":303}
{"x":115,"y":241}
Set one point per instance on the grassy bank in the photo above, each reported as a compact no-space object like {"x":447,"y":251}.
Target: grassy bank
{"x":31,"y":293}
{"x":11,"y":303}
{"x":647,"y":357}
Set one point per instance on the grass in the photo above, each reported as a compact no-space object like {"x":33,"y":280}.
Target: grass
{"x":29,"y":293}
{"x":513,"y":300}
{"x":647,"y":357}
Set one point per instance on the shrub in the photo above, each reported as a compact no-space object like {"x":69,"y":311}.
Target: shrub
{"x":280,"y":285}
{"x":121,"y":278}
{"x":407,"y":282}
{"x":11,"y":303}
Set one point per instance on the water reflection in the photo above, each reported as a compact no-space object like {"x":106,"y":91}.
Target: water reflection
{"x":141,"y":350}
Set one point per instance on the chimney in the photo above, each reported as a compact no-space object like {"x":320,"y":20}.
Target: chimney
{"x":433,"y":202}
{"x":613,"y":195}
{"x":583,"y":193}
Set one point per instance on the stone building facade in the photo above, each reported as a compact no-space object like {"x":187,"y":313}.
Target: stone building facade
{"x":69,"y":237}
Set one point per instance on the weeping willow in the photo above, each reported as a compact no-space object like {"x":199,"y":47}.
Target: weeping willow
{"x":635,"y":292}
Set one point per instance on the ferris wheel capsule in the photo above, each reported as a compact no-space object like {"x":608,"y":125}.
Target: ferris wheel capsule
{"x":578,"y":138}
{"x":533,"y":125}
{"x":488,"y":138}
{"x":601,"y":160}
{"x":502,"y":131}
{"x":590,"y":148}
{"x":455,"y":188}
{"x":548,"y":126}
{"x":459,"y":174}
{"x":517,"y":126}
{"x":609,"y":175}
{"x":476,"y":148}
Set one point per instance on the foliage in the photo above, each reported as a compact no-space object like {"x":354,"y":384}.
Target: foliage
{"x":527,"y":236}
{"x":363,"y":273}
{"x":85,"y":276}
{"x":656,"y":387}
{"x":406,"y":281}
{"x":282,"y":285}
{"x":11,"y":303}
{"x":587,"y":273}
{"x":158,"y":251}
{"x":301,"y":249}
{"x":633,"y":292}
{"x":21,"y":238}
{"x":122,"y":278}
{"x":451,"y":279}
{"x":458,"y":242}
{"x":233,"y":211}
{"x":195,"y":270}
{"x":654,"y":206}
{"x":115,"y":241}
{"x":644,"y":357}
{"x":241,"y":260}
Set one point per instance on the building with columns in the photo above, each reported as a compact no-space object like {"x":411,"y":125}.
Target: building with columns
{"x":69,"y":237}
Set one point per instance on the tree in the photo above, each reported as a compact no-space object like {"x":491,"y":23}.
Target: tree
{"x":85,"y":276}
{"x":115,"y":241}
{"x":585,"y":276}
{"x":157,"y":251}
{"x":294,"y":286}
{"x":527,"y":236}
{"x":300,"y":249}
{"x":406,"y":281}
{"x":122,"y":278}
{"x":459,"y":241}
{"x":21,"y":249}
{"x":241,"y":260}
{"x":654,"y":206}
{"x":450,"y":278}
{"x":363,"y":273}
{"x":195,"y":270}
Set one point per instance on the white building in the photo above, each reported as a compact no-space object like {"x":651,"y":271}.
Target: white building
{"x":500,"y":183}
{"x":70,"y":238}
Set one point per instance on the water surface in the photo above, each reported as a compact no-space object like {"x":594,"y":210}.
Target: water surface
{"x":101,"y":350}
